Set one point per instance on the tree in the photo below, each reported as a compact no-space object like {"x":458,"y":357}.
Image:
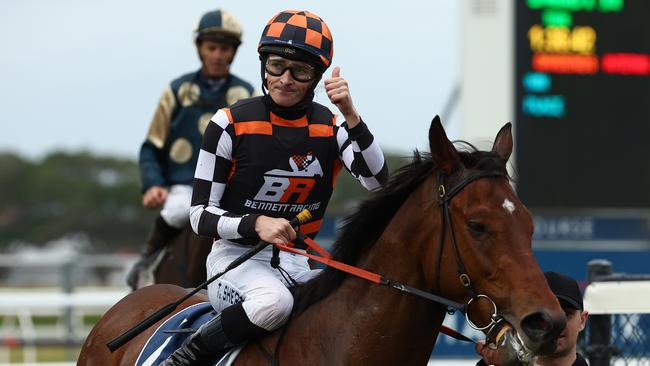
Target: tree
{"x":72,"y":193}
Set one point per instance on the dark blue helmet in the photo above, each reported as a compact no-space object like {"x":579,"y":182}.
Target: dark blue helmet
{"x":219,"y":26}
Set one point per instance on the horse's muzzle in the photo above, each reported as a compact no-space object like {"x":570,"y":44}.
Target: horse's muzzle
{"x":541,"y":330}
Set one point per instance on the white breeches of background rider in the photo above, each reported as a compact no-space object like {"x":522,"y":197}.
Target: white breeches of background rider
{"x":176,"y":210}
{"x":266,"y":299}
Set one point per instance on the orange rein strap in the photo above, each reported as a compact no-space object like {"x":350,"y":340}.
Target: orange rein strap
{"x":376,"y":278}
{"x":326,"y":260}
{"x":313,"y":245}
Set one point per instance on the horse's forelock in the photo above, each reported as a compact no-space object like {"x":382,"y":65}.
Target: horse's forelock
{"x":478,"y":160}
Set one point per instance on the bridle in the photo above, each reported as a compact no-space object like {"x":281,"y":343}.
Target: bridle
{"x":445,"y":195}
{"x":444,"y":199}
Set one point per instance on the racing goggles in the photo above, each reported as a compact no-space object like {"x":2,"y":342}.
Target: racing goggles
{"x":299,"y":72}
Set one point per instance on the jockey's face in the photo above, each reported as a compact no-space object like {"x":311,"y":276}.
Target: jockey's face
{"x":216,"y":58}
{"x":284,"y":89}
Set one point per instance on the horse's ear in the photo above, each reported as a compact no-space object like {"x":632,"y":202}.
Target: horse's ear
{"x":443,"y":152}
{"x":503,"y":142}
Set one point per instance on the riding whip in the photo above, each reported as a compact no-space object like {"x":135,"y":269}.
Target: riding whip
{"x":116,"y":343}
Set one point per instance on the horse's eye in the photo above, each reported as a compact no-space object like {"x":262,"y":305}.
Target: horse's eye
{"x":477,"y":227}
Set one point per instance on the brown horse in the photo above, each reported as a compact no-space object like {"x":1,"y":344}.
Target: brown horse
{"x":440,"y":219}
{"x":180,"y":263}
{"x":184,"y":260}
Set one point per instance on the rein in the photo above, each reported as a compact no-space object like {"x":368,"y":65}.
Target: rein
{"x":367,"y":275}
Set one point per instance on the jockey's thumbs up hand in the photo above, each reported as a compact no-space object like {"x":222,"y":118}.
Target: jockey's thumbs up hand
{"x":336,"y":72}
{"x":339,"y":94}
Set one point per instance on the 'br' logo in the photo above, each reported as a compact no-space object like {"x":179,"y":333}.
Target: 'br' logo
{"x":282,"y":189}
{"x":295,"y":184}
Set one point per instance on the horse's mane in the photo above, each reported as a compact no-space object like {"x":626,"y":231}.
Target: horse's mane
{"x":363,"y":228}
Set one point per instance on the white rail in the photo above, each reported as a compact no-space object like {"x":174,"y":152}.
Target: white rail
{"x":19,"y":307}
{"x":618,"y":297}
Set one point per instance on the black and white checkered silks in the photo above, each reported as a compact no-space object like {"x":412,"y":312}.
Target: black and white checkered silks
{"x":360,"y":155}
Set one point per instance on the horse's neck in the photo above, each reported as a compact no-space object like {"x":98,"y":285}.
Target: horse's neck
{"x":383,"y":323}
{"x":367,"y":324}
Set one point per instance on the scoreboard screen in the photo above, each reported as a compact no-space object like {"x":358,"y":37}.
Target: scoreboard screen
{"x":583,"y":103}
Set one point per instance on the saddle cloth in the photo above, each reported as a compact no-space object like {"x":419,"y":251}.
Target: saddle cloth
{"x":161,"y":344}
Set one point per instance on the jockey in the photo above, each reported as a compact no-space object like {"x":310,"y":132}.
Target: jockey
{"x":262,"y":161}
{"x":169,"y":154}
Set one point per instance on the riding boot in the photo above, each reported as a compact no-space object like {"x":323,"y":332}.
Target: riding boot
{"x":201,"y":347}
{"x":231,"y":327}
{"x":161,"y":235}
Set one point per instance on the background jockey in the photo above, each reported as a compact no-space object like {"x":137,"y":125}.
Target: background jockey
{"x":261,"y":161}
{"x":169,"y":154}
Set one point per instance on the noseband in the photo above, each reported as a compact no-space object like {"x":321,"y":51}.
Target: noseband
{"x":445,"y":195}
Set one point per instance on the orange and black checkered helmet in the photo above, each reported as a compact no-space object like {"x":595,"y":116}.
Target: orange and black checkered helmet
{"x":299,"y":35}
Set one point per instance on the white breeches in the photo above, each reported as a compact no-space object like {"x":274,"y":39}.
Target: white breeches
{"x":261,"y":289}
{"x":176,"y":210}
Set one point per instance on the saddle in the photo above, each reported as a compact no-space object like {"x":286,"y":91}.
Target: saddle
{"x":171,"y":334}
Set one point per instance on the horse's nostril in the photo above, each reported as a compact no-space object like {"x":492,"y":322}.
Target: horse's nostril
{"x":540,"y":327}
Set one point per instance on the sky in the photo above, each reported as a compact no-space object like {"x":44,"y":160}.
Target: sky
{"x":87,"y":75}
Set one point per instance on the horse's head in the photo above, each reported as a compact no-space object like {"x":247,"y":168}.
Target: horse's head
{"x":489,"y":241}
